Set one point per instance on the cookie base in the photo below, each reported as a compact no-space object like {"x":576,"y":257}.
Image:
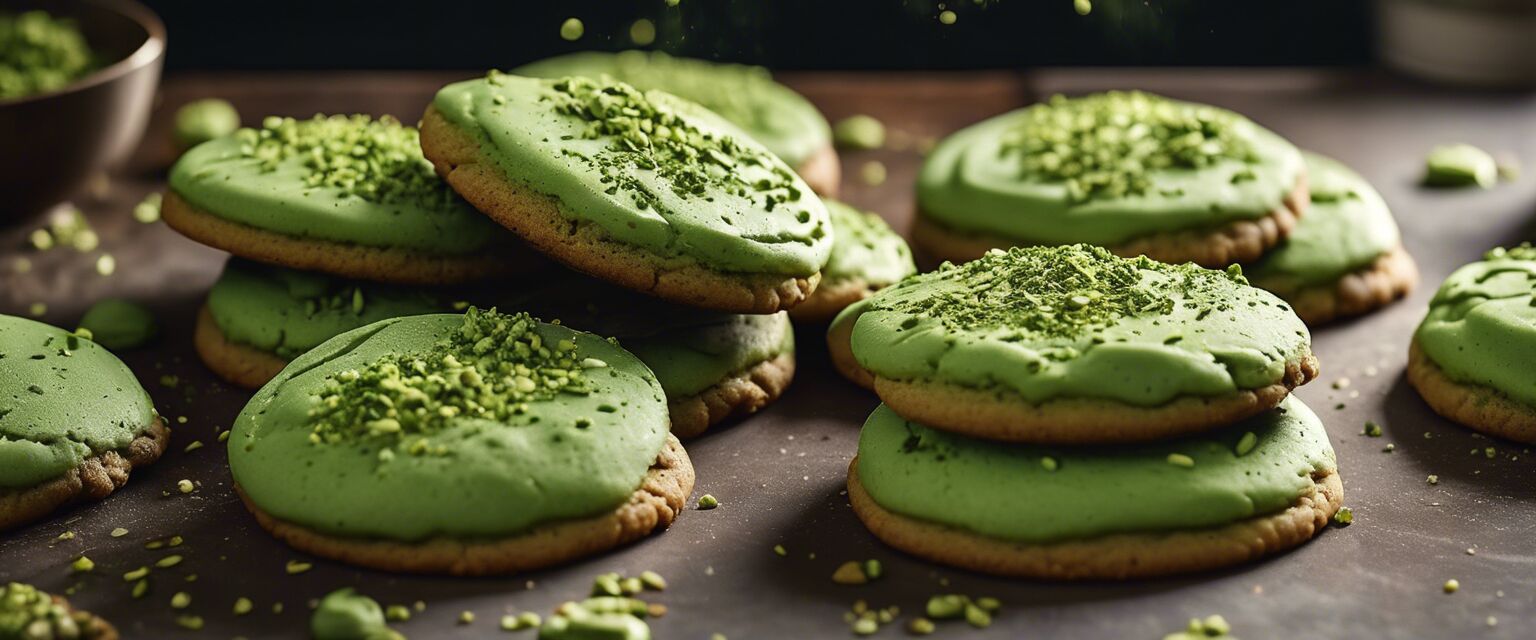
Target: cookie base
{"x":652,"y":507}
{"x":997,"y":414}
{"x":379,"y":264}
{"x":586,"y":247}
{"x":1233,"y":242}
{"x":822,"y":172}
{"x":830,"y":298}
{"x":1391,"y":277}
{"x":1477,"y":407}
{"x":94,"y":479}
{"x":741,"y":394}
{"x":840,"y":348}
{"x":1110,"y":557}
{"x":238,"y":364}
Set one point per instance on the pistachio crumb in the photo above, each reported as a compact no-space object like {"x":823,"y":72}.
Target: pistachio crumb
{"x":1451,"y":586}
{"x":707,"y":502}
{"x":1344,"y":517}
{"x":296,"y":567}
{"x":119,"y":532}
{"x":243,"y":606}
{"x":184,"y":486}
{"x":82,"y":564}
{"x":1181,"y":460}
{"x":849,"y":573}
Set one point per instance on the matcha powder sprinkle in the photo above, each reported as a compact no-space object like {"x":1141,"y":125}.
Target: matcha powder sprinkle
{"x":376,"y":160}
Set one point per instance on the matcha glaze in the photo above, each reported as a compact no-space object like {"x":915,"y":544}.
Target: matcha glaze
{"x":1481,"y":326}
{"x":1347,"y":227}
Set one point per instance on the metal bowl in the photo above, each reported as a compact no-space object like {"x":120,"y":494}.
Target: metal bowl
{"x":52,"y":143}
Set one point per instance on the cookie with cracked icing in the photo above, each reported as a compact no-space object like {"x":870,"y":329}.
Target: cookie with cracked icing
{"x":345,"y":195}
{"x":1345,"y":258}
{"x":1073,"y":344}
{"x":474,"y":444}
{"x":1257,"y":487}
{"x":74,"y":421}
{"x":1135,"y":172}
{"x":28,"y":613}
{"x":867,"y":255}
{"x":1470,"y":358}
{"x":773,"y":114}
{"x":641,"y":189}
{"x":258,"y":318}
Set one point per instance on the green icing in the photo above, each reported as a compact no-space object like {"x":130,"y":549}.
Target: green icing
{"x":62,"y":399}
{"x":773,"y":114}
{"x":27,"y":613}
{"x":1346,"y":229}
{"x":287,"y":312}
{"x":1010,"y":492}
{"x":1481,"y":326}
{"x":344,"y":179}
{"x":202,"y":120}
{"x":1078,"y":322}
{"x":119,"y":324}
{"x":345,"y":614}
{"x":649,"y":169}
{"x":466,"y":426}
{"x":1106,"y":169}
{"x":865,"y":247}
{"x":40,"y":53}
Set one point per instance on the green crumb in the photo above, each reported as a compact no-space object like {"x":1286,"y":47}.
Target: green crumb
{"x":224,"y":435}
{"x":181,"y":600}
{"x":1344,"y":517}
{"x":137,"y":574}
{"x":859,"y":132}
{"x":67,"y":535}
{"x":1181,"y":460}
{"x":642,"y":32}
{"x":118,"y":532}
{"x":1432,"y":479}
{"x":572,"y":29}
{"x":243,"y":606}
{"x":185,"y":486}
{"x":1246,"y":444}
{"x":37,"y":309}
{"x":1460,"y":165}
{"x":1082,"y":7}
{"x":707,"y":502}
{"x":653,"y":581}
{"x":874,"y":569}
{"x":1213,"y":626}
{"x":397,"y":613}
{"x":866,"y":626}
{"x":40,"y":53}
{"x":106,"y":265}
{"x":606,"y":585}
{"x":295,"y":567}
{"x":147,"y":211}
{"x":920,"y":627}
{"x":947,"y":17}
{"x":1490,"y":452}
{"x":780,"y":551}
{"x":82,"y":564}
{"x":193,"y":623}
{"x":168,"y":561}
{"x":376,"y":160}
{"x":466,"y":617}
{"x":202,"y":120}
{"x":945,"y":607}
{"x":873,"y":173}
{"x":1372,"y":429}
{"x":139,"y":589}
{"x":977,"y":617}
{"x":193,"y":446}
{"x":1389,"y":448}
{"x":850,"y":573}
{"x":1049,"y":464}
{"x":1451,"y":586}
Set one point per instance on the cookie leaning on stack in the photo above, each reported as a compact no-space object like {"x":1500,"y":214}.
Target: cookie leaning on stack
{"x":867,"y":255}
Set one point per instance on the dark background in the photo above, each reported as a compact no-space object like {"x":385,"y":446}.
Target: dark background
{"x":784,"y":34}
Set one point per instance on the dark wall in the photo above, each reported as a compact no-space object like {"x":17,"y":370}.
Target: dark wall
{"x":813,"y":34}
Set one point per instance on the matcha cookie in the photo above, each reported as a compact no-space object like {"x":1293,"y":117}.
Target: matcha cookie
{"x":641,"y":189}
{"x":1138,"y":173}
{"x":27,"y":613}
{"x":1345,"y":258}
{"x":1471,"y":357}
{"x":74,"y":422}
{"x":773,"y":114}
{"x":867,"y":255}
{"x":258,"y":318}
{"x":471,"y":444}
{"x":1221,"y":498}
{"x":1075,"y":345}
{"x":346,"y":195}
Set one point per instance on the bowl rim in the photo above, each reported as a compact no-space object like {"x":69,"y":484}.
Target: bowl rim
{"x":152,"y":49}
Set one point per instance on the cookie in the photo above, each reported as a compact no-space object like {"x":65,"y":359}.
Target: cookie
{"x":27,"y":612}
{"x":1076,"y":345}
{"x":1217,"y":499}
{"x":1470,"y":358}
{"x":867,"y":255}
{"x":471,"y":444}
{"x":258,"y":318}
{"x":692,"y":212}
{"x":1345,"y":258}
{"x":74,"y":422}
{"x":840,"y":346}
{"x":773,"y":114}
{"x":345,"y":195}
{"x":1138,"y":173}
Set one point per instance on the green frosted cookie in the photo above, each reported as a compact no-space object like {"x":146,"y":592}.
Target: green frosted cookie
{"x":867,"y":255}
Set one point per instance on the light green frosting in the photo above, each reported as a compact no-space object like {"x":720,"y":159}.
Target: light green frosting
{"x":865,"y":247}
{"x":345,"y":614}
{"x":693,"y":189}
{"x":287,"y":312}
{"x":62,"y":400}
{"x":969,"y":183}
{"x":1010,"y":492}
{"x":1481,"y":327}
{"x":571,"y":455}
{"x":1078,"y":322}
{"x":773,"y":114}
{"x":239,"y":178}
{"x":1346,"y":229}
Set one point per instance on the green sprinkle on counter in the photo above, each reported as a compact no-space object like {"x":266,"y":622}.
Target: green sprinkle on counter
{"x":1344,"y":517}
{"x":707,"y":502}
{"x":572,"y":29}
{"x":295,"y":567}
{"x":1181,"y":460}
{"x":859,"y":132}
{"x":1460,"y":165}
{"x":82,"y":564}
{"x":243,"y":606}
{"x":1451,"y":586}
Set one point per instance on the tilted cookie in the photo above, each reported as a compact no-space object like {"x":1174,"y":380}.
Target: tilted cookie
{"x":867,"y":255}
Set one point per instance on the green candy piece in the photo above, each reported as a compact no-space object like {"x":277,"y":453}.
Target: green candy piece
{"x":584,"y":625}
{"x":344,"y":179}
{"x":859,"y":132}
{"x":202,"y":120}
{"x":1079,"y":322}
{"x":28,"y":613}
{"x":1481,"y":325}
{"x":1346,"y":229}
{"x":1105,"y":169}
{"x":1210,"y":627}
{"x":287,"y":312}
{"x":345,"y":614}
{"x":1460,"y":165}
{"x":866,"y":248}
{"x":672,"y":179}
{"x":466,"y":426}
{"x":40,"y":53}
{"x":1001,"y":491}
{"x":773,"y":114}
{"x":66,"y":399}
{"x":119,"y":324}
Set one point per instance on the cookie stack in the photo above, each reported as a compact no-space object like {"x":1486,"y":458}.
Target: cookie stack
{"x":1061,"y":412}
{"x":1176,"y":181}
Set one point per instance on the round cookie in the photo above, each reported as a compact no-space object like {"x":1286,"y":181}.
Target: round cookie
{"x":1345,"y":258}
{"x":1225,"y":497}
{"x":1471,"y":357}
{"x":1138,"y":173}
{"x":27,"y":613}
{"x":671,"y":201}
{"x":1076,"y":345}
{"x":346,"y":195}
{"x":773,"y":114}
{"x":258,"y":318}
{"x":74,"y":421}
{"x":471,"y":444}
{"x":867,"y":255}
